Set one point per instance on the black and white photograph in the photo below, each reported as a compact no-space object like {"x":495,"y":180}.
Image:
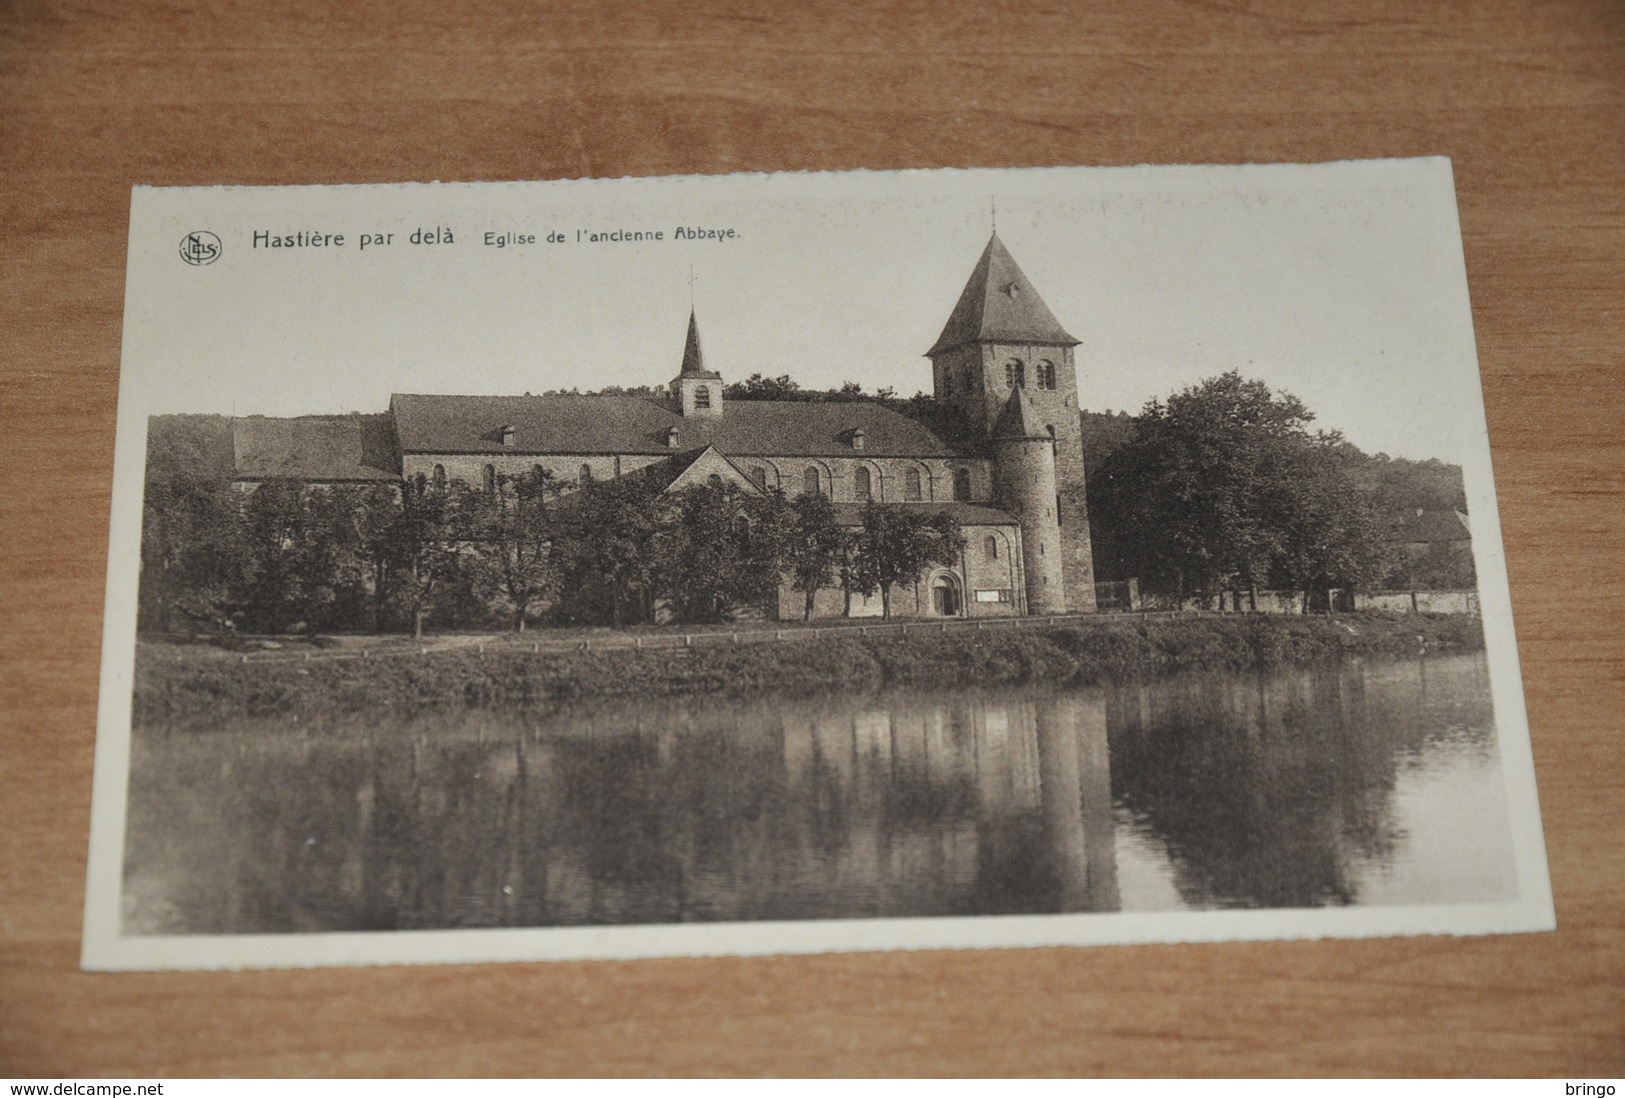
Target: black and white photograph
{"x":935,"y":559}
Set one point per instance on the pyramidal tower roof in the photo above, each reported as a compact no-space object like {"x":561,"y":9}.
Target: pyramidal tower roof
{"x":1000,"y":305}
{"x":693,"y":360}
{"x":1018,"y":419}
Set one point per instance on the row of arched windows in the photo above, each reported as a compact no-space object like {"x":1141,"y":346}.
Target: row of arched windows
{"x":1015,"y":375}
{"x":863,"y":488}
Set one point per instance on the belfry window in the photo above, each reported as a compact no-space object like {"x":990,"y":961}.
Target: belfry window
{"x":862,"y":486}
{"x":809,"y":481}
{"x":586,"y":475}
{"x":490,"y":479}
{"x":911,"y":484}
{"x":1015,"y":374}
{"x":1046,"y":375}
{"x":962,"y":485}
{"x":440,"y":476}
{"x":758,"y":476}
{"x":991,"y":547}
{"x":702,"y":396}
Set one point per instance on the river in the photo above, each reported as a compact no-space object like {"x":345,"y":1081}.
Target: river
{"x":1366,"y":783}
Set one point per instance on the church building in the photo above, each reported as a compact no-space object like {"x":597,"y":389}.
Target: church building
{"x":1015,"y":486}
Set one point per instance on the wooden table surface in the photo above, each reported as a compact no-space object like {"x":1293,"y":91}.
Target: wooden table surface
{"x":1527,"y":97}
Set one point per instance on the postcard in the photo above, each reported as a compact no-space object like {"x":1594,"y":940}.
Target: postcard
{"x":798,"y":563}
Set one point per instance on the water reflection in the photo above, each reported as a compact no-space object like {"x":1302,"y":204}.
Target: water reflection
{"x":1295,"y":789}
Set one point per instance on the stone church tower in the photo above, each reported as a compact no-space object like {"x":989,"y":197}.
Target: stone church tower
{"x":696,"y":391}
{"x":1007,"y":364}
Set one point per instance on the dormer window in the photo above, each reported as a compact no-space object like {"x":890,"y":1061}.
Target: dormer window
{"x":507,"y":436}
{"x":671,"y":438}
{"x":857,"y":439}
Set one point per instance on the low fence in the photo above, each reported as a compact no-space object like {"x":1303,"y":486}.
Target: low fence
{"x":698,"y":639}
{"x":1336,"y":600}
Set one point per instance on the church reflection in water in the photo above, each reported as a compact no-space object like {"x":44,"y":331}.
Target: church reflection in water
{"x":1357,"y":784}
{"x":682,"y":812}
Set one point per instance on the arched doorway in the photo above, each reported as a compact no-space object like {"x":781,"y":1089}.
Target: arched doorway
{"x":946,"y":601}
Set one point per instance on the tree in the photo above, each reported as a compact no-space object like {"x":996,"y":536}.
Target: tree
{"x":1334,"y":534}
{"x":719,"y":550}
{"x":607,"y":549}
{"x":757,"y":387}
{"x":815,"y":548}
{"x":423,"y":551}
{"x":190,"y":529}
{"x":1224,"y":487}
{"x":896,"y":546}
{"x":510,"y":541}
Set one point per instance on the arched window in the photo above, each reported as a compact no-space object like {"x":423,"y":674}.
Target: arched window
{"x":809,"y":481}
{"x":490,"y":478}
{"x":586,"y":475}
{"x":862,"y":487}
{"x":1015,"y":374}
{"x":439,"y":476}
{"x":420,"y":483}
{"x":758,"y":476}
{"x":911,"y":484}
{"x":702,"y":396}
{"x":991,"y":547}
{"x":962,"y":485}
{"x":1046,"y":374}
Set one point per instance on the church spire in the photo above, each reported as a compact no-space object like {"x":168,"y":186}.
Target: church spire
{"x":999,"y":305}
{"x":696,"y":390}
{"x":693,"y":360}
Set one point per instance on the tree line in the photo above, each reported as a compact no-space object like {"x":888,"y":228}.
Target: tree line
{"x":1224,"y":487}
{"x":290,"y":557}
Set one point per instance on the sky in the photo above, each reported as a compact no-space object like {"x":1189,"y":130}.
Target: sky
{"x":1340,"y":283}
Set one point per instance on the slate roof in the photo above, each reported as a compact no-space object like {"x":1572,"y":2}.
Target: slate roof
{"x":1431,"y":526}
{"x":1000,"y":305}
{"x":662,"y":474}
{"x":573,"y":424}
{"x":1018,"y":420}
{"x":693,"y":360}
{"x":315,"y":448}
{"x":968,"y":514}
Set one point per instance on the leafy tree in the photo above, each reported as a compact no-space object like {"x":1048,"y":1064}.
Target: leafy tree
{"x":1223,"y":486}
{"x":424,"y":558}
{"x":190,"y":524}
{"x":607,"y":547}
{"x":896,"y":546}
{"x":815,"y":548}
{"x":509,"y":535}
{"x":719,"y":550}
{"x":1334,"y":534}
{"x":757,"y":387}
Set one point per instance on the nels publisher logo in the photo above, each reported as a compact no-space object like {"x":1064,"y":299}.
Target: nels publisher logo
{"x":200,"y":248}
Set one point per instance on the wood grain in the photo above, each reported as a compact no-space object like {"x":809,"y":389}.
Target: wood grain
{"x":1529,"y":100}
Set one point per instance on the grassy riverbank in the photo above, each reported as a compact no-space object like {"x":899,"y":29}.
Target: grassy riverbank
{"x":200,"y":685}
